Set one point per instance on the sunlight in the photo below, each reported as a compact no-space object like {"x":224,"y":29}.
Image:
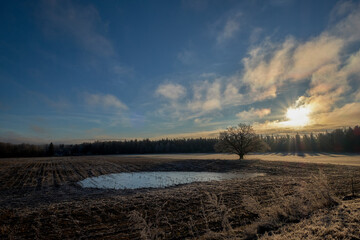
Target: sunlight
{"x":297,"y":116}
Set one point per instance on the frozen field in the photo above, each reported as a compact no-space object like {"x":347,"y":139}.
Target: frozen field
{"x":40,"y":198}
{"x":340,"y":159}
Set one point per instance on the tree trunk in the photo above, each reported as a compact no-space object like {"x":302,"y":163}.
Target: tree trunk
{"x":241,"y":156}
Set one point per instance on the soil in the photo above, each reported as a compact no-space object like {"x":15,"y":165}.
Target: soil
{"x":40,"y":197}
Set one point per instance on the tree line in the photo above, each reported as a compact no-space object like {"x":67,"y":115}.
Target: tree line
{"x":197,"y":145}
{"x":339,"y":140}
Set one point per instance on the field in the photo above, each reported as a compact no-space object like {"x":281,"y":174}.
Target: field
{"x":40,"y":199}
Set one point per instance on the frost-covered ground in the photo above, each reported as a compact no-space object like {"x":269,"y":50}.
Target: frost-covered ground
{"x":40,"y":199}
{"x":327,"y":158}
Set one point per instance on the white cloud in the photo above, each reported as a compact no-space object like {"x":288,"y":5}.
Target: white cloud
{"x":341,"y":8}
{"x":349,"y":27}
{"x":232,"y":95}
{"x":171,"y":91}
{"x":105,"y":101}
{"x":202,"y":121}
{"x":322,"y":60}
{"x":229,"y":29}
{"x":357,"y":95}
{"x":206,"y":97}
{"x":347,"y":115}
{"x":352,"y":65}
{"x":204,"y":134}
{"x":253,"y":113}
{"x":260,"y":73}
{"x":211,"y":104}
{"x":314,"y":54}
{"x":327,"y":63}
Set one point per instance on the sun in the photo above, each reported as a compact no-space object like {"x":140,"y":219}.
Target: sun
{"x":297,"y":117}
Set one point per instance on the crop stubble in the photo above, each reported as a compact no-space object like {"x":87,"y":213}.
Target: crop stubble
{"x":40,"y":197}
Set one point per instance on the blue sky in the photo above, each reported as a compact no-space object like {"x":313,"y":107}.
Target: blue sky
{"x":73,"y":71}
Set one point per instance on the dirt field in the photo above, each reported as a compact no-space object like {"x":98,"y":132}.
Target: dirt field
{"x":39,"y":198}
{"x":326,"y":158}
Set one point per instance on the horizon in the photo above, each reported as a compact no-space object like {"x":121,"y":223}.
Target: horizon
{"x":76,"y":70}
{"x":214,"y":135}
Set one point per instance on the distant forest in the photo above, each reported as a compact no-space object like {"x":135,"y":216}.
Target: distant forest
{"x":339,"y":140}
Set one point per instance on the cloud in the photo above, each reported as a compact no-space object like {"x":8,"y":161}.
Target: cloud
{"x":255,"y":35}
{"x":271,"y":65}
{"x":171,"y":91}
{"x":202,"y":121}
{"x":266,"y":65}
{"x":206,"y":97}
{"x":80,"y":22}
{"x":323,"y":60}
{"x":253,"y":113}
{"x":203,"y":134}
{"x":186,"y":57}
{"x":357,"y":95}
{"x":16,"y":138}
{"x":345,"y":116}
{"x":341,"y":8}
{"x":229,"y":28}
{"x":314,"y":54}
{"x":328,"y":64}
{"x":105,"y":101}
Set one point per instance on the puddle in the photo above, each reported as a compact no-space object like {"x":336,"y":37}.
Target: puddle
{"x":137,"y":180}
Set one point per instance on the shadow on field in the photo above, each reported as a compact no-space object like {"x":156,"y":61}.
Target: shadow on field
{"x":306,"y":154}
{"x":194,"y":165}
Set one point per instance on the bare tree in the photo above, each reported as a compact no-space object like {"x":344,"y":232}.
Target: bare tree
{"x":239,"y":140}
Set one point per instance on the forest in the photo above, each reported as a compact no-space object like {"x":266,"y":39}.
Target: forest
{"x":338,"y":140}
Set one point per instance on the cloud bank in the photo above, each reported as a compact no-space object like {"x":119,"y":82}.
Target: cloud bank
{"x":171,"y":91}
{"x":104,"y":101}
{"x":327,"y":63}
{"x":253,"y":114}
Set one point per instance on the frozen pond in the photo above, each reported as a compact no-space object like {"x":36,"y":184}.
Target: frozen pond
{"x":137,"y":180}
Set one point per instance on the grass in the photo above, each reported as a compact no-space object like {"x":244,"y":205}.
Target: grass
{"x":305,"y":199}
{"x":39,"y":199}
{"x":150,"y":228}
{"x":342,"y":222}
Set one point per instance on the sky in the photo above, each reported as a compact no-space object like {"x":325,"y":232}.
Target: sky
{"x":74,"y":71}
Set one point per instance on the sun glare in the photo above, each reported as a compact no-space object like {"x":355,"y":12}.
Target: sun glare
{"x":297,"y":116}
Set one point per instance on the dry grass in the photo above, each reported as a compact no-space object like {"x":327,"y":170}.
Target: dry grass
{"x":305,"y":199}
{"x":39,"y":199}
{"x":342,"y":222}
{"x":149,"y":228}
